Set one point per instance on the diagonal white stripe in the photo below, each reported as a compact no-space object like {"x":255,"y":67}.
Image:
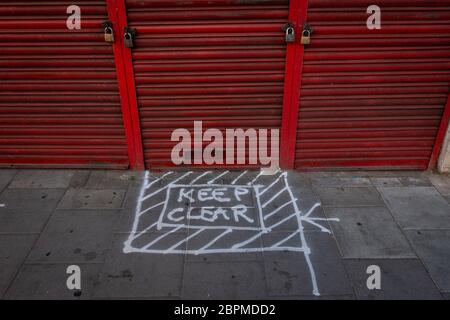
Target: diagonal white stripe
{"x":285,"y":239}
{"x":240,"y":176}
{"x":278,"y":209}
{"x":244,"y":243}
{"x":160,"y":238}
{"x":274,"y":197}
{"x":200,"y":176}
{"x":184,"y":240}
{"x":215,"y":240}
{"x":272,"y":184}
{"x":152,"y":207}
{"x":218,"y":177}
{"x":148,"y":185}
{"x":167,"y":186}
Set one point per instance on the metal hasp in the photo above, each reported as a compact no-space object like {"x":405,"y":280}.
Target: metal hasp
{"x":129,"y":35}
{"x":109,"y":32}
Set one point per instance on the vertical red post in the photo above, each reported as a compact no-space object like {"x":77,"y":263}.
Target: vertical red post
{"x":125,"y":77}
{"x":440,"y":136}
{"x":292,"y":85}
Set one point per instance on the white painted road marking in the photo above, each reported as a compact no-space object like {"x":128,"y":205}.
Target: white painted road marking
{"x":221,"y":218}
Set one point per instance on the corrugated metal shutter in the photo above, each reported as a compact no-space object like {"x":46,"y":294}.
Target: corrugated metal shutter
{"x":373,"y":98}
{"x":221,"y":61}
{"x":59,"y":101}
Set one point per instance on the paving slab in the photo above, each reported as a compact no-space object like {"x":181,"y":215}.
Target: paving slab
{"x":139,"y":275}
{"x":101,"y":180}
{"x":288,"y":274}
{"x":348,"y":197}
{"x":42,"y":200}
{"x":75,"y":237}
{"x":368,"y":232}
{"x":447,"y":198}
{"x":386,"y":182}
{"x":79,"y":178}
{"x":92,"y":199}
{"x":335,"y":181}
{"x":401,"y":279}
{"x":42,"y":179}
{"x":49,"y":282}
{"x":433,"y":248}
{"x":441,"y":183}
{"x":224,"y":280}
{"x":13,"y":250}
{"x":419,"y":181}
{"x":417,"y":207}
{"x":6,"y":176}
{"x":22,"y":221}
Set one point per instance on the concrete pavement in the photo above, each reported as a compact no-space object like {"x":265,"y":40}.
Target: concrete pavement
{"x":245,"y":239}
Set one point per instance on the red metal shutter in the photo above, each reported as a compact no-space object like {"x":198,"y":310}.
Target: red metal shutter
{"x":222,"y":62}
{"x":59,"y":101}
{"x":373,"y":98}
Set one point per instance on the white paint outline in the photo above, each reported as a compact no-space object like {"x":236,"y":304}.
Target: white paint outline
{"x":254,"y":232}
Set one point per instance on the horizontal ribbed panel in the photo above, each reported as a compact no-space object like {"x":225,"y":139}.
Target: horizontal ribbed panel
{"x":59,"y":100}
{"x":221,"y":62}
{"x":373,"y":98}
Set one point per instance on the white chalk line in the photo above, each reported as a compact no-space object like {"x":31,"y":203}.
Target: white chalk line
{"x":215,"y":251}
{"x":237,"y":248}
{"x":304,"y":244}
{"x":246,"y":242}
{"x":161,"y":237}
{"x":152,"y":207}
{"x":278,"y":209}
{"x":273,"y":183}
{"x":239,"y":177}
{"x":254,"y":180}
{"x":285,"y":239}
{"x":314,"y":207}
{"x":138,"y":210}
{"x":148,"y":185}
{"x":166,"y":187}
{"x":184,"y":240}
{"x":200,"y":176}
{"x":274,"y":197}
{"x":202,"y":249}
{"x":282,"y":221}
{"x":137,"y":235}
{"x":218,"y":177}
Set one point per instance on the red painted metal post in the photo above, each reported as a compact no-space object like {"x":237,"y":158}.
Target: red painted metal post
{"x":125,"y":76}
{"x":440,"y":136}
{"x":292,"y":85}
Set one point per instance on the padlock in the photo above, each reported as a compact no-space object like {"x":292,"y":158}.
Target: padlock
{"x":306,"y":37}
{"x":290,"y":35}
{"x":129,"y":34}
{"x":129,"y":43}
{"x":109,"y":35}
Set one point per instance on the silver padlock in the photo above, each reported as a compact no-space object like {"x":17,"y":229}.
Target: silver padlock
{"x":290,"y":35}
